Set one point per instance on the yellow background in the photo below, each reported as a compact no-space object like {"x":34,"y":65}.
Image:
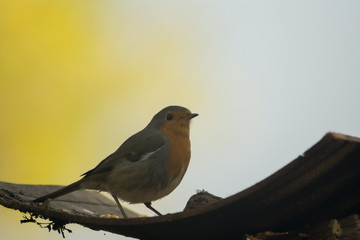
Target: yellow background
{"x":75,"y":84}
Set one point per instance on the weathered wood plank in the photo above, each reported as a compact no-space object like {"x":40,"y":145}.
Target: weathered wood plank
{"x":79,"y":203}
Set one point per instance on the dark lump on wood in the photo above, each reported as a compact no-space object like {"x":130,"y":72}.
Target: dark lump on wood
{"x":201,"y":198}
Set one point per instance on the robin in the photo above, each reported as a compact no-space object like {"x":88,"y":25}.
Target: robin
{"x":147,"y":166}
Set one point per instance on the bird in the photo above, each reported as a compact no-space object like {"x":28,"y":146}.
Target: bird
{"x":148,"y":166}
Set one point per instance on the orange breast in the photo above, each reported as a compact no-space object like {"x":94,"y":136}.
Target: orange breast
{"x":179,"y":150}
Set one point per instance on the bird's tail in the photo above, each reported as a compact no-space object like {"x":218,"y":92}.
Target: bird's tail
{"x":62,"y":191}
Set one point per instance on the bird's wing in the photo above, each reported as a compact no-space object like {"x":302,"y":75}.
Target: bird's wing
{"x":135,"y":148}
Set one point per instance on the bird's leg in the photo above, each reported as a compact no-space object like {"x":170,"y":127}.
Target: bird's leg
{"x":119,"y":205}
{"x":148,"y":205}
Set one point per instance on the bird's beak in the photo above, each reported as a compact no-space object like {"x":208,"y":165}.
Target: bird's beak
{"x":192,"y":115}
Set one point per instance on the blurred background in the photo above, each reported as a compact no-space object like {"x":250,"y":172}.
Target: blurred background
{"x":268,"y":78}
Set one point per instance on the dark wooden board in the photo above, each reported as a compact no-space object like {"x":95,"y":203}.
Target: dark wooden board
{"x":321,"y":184}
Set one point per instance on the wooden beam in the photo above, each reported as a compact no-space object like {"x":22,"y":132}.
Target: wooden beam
{"x":319,"y":185}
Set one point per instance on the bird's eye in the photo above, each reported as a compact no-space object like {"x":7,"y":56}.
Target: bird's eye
{"x":169,"y":116}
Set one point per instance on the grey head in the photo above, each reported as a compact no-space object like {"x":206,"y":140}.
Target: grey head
{"x":172,"y":116}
